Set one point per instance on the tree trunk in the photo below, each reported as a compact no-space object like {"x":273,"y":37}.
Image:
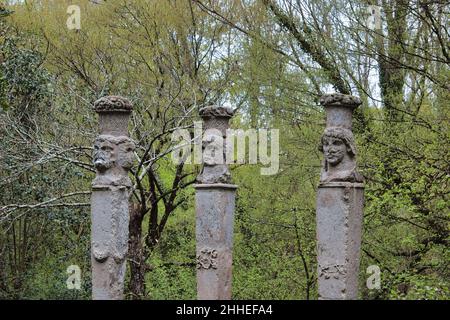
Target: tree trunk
{"x":136,"y":254}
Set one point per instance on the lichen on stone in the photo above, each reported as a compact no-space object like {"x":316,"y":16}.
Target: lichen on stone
{"x":216,"y":111}
{"x":339,"y":99}
{"x":113,"y":103}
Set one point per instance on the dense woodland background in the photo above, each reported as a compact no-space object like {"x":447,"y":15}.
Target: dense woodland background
{"x":270,"y":59}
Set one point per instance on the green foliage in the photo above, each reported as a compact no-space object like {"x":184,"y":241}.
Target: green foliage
{"x":3,"y":88}
{"x":22,"y":74}
{"x":48,"y":277}
{"x":173,"y":263}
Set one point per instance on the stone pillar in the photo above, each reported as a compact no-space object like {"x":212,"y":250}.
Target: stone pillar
{"x":215,"y":203}
{"x":113,"y":157}
{"x":340,"y":199}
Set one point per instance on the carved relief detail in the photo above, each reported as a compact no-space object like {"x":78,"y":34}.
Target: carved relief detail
{"x":216,"y":111}
{"x":99,"y":252}
{"x":113,"y":104}
{"x":113,"y":157}
{"x":333,"y":270}
{"x":102,"y":253}
{"x":339,"y":99}
{"x":207,"y":259}
{"x":214,"y":168}
{"x":338,"y":147}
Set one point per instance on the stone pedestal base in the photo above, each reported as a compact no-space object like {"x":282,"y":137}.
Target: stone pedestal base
{"x":214,"y":234}
{"x":339,"y":222}
{"x":109,"y":245}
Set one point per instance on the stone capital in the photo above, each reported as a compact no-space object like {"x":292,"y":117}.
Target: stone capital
{"x":339,"y":109}
{"x":215,"y":111}
{"x":340,"y":100}
{"x":113,"y":104}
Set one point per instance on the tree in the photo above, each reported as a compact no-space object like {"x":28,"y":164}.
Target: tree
{"x":272,"y":60}
{"x":400,"y":69}
{"x":169,"y":59}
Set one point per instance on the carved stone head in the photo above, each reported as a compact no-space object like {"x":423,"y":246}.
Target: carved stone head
{"x":126,"y":158}
{"x":105,"y":154}
{"x":110,"y":151}
{"x":214,"y":168}
{"x":336,"y":143}
{"x":213,"y":148}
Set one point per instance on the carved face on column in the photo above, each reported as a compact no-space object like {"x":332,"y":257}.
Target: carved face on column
{"x":110,"y":150}
{"x":334,"y":150}
{"x":126,"y":158}
{"x":105,"y":154}
{"x":336,"y":143}
{"x":213,"y":152}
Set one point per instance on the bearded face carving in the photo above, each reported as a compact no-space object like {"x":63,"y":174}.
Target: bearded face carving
{"x":126,"y":150}
{"x":104,"y":154}
{"x":214,"y":168}
{"x":213,"y":149}
{"x":113,"y":157}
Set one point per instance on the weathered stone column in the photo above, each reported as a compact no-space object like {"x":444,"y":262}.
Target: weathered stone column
{"x":113,"y":157}
{"x":215,"y":203}
{"x":340,"y":200}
